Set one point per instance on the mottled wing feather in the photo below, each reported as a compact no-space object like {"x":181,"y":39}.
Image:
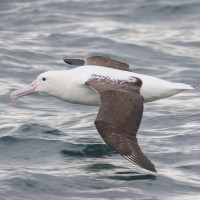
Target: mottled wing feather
{"x":119,"y":118}
{"x":96,"y":60}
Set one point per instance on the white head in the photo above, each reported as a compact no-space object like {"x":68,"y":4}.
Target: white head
{"x":47,"y":82}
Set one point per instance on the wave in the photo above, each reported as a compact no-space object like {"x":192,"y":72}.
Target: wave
{"x":89,"y":150}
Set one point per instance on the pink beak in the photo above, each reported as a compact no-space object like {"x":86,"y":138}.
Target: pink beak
{"x":25,"y":91}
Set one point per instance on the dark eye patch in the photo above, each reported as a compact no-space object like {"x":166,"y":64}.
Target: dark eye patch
{"x":44,"y":79}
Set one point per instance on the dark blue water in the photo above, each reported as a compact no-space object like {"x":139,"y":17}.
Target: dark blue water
{"x":50,"y":149}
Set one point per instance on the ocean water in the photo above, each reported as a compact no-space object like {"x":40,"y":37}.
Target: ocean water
{"x":50,"y":149}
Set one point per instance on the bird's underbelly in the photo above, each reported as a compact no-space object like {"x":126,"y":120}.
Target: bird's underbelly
{"x":90,"y":97}
{"x":83,"y":95}
{"x":87,"y":96}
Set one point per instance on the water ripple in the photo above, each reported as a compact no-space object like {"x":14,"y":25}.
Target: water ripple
{"x":50,"y":148}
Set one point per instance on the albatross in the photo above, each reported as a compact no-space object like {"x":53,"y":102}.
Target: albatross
{"x":119,"y":93}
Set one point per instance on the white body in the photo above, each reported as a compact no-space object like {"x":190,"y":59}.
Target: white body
{"x":69,"y":85}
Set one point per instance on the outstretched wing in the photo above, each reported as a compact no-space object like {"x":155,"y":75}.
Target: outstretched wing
{"x":119,"y":118}
{"x":96,"y":60}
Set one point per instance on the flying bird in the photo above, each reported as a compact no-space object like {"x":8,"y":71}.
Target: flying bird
{"x":120,"y":93}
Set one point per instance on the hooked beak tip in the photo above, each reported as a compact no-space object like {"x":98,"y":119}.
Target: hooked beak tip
{"x":25,"y":91}
{"x":13,"y":96}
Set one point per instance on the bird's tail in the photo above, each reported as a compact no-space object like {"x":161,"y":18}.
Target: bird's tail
{"x":183,"y":86}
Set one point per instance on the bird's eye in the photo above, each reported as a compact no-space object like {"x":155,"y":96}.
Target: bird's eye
{"x":44,"y":79}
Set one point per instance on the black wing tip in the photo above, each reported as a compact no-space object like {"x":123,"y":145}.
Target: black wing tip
{"x":66,"y":60}
{"x":151,"y":168}
{"x":148,"y":166}
{"x":154,"y":170}
{"x":73,"y":60}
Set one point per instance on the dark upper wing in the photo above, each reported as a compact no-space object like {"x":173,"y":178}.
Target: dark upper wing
{"x":96,"y":60}
{"x":119,"y":118}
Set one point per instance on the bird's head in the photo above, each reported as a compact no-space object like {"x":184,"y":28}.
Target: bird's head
{"x":46,"y":82}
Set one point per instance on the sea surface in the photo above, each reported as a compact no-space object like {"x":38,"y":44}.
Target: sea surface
{"x":50,"y":149}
